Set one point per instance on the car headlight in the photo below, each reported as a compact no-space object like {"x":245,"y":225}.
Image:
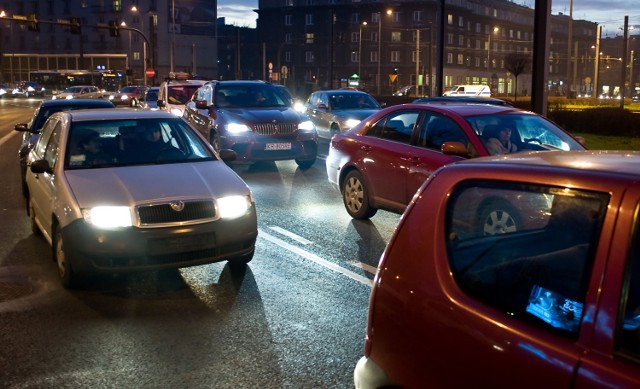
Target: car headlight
{"x":176,"y":111}
{"x":232,"y":207}
{"x":112,"y":97}
{"x":108,"y":216}
{"x":124,"y":97}
{"x":349,"y":123}
{"x":299,"y":107}
{"x":307,"y":125}
{"x":236,"y":128}
{"x":69,"y":97}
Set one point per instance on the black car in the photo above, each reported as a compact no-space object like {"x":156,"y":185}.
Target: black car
{"x":254,"y":119}
{"x":28,"y":89}
{"x":31,"y":130}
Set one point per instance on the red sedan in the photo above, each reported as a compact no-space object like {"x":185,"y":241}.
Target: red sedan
{"x":381,"y":162}
{"x":555,"y":304}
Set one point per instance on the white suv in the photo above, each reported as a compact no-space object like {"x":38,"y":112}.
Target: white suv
{"x":176,"y":92}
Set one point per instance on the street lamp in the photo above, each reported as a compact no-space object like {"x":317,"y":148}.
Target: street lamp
{"x":360,"y":53}
{"x":388,"y":12}
{"x":124,"y":24}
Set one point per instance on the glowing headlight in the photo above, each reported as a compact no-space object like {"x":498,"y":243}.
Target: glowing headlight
{"x":124,"y":97}
{"x":349,"y":123}
{"x":232,"y":207}
{"x":236,"y":128}
{"x":307,"y":125}
{"x":300,"y":107}
{"x":69,"y":97}
{"x":108,"y":216}
{"x":176,"y":111}
{"x":30,"y":89}
{"x":112,"y":97}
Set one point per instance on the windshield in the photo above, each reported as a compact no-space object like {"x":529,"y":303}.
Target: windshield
{"x":249,"y":95}
{"x":111,"y":143}
{"x":180,"y":94}
{"x":73,"y":89}
{"x":352,"y":101}
{"x":528,"y":131}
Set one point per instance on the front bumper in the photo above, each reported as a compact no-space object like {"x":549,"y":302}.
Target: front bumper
{"x":93,"y":250}
{"x":252,"y":148}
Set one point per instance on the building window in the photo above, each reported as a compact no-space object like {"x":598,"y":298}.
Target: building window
{"x":308,"y":19}
{"x":287,"y":37}
{"x":478,"y":47}
{"x":396,"y":36}
{"x":309,"y":38}
{"x":287,"y":56}
{"x":373,"y":56}
{"x":374,"y":36}
{"x":477,"y":62}
{"x":460,"y":59}
{"x":414,"y":56}
{"x":460,"y":40}
{"x":478,"y":28}
{"x":309,"y":57}
{"x":288,"y":20}
{"x":449,"y":19}
{"x":395,"y":56}
{"x":375,"y":17}
{"x":354,"y":37}
{"x":418,"y":16}
{"x":460,"y":21}
{"x":289,"y":3}
{"x":355,"y":57}
{"x":449,"y":38}
{"x":450,"y":58}
{"x":355,"y":18}
{"x":395,"y":17}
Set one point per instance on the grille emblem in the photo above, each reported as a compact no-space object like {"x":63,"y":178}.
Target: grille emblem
{"x":177,"y":206}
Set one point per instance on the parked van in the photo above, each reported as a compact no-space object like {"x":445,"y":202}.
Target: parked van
{"x":469,"y":90}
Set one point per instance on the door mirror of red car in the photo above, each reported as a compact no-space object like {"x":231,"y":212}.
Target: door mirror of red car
{"x":455,"y":148}
{"x":202,"y":104}
{"x":41,"y":166}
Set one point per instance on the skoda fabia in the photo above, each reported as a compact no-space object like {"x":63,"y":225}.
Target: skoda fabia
{"x":130,"y":190}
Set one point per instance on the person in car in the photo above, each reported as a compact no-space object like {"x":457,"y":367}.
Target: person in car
{"x":498,"y":140}
{"x":91,"y":147}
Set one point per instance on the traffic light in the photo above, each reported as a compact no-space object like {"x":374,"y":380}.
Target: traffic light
{"x":74,"y":25}
{"x":114,"y":28}
{"x":33,"y":24}
{"x":395,"y":71}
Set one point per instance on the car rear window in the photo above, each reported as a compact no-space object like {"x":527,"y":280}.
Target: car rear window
{"x":525,"y":250}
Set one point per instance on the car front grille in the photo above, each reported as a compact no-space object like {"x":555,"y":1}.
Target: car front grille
{"x":176,"y":212}
{"x":276,"y":129}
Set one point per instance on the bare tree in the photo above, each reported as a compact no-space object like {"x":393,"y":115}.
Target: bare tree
{"x":516,"y":63}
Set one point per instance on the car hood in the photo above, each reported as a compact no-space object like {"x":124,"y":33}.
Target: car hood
{"x":354,"y":113}
{"x":131,"y":185}
{"x":262,"y":115}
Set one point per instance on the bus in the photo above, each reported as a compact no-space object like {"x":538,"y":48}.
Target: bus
{"x":56,"y":81}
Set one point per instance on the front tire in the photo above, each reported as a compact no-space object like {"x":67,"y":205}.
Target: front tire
{"x":498,"y":216}
{"x":305,"y":164}
{"x":355,"y":196}
{"x":65,"y":270}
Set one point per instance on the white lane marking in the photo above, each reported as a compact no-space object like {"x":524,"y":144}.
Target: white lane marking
{"x":291,"y":235}
{"x":7,"y":137}
{"x":364,"y":266}
{"x":314,"y":258}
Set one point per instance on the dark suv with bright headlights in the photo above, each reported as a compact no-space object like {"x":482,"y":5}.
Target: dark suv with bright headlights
{"x":254,"y":119}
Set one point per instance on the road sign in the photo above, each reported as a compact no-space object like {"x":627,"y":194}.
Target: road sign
{"x":150,"y":72}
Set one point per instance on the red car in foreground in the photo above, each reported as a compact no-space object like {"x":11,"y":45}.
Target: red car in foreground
{"x":381,"y":162}
{"x":555,"y":304}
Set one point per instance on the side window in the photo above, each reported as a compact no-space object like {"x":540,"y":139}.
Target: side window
{"x":437,"y":129}
{"x":47,"y":130}
{"x":628,"y":338}
{"x":397,"y":127}
{"x":53,"y":146}
{"x":518,"y":249}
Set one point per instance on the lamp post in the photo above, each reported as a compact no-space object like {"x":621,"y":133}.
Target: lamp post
{"x":388,"y":12}
{"x":360,"y":52}
{"x":128,"y":64}
{"x":493,"y":31}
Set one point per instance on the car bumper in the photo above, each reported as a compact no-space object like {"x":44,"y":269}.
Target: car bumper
{"x":251,"y":149}
{"x":93,"y":250}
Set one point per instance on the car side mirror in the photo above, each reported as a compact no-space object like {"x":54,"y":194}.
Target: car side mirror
{"x":322,"y":106}
{"x":41,"y":166}
{"x":228,"y":155}
{"x":161,"y":103}
{"x":455,"y":148}
{"x":21,"y":127}
{"x":202,"y":104}
{"x":581,"y":140}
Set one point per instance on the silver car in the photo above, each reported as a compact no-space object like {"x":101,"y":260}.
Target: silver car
{"x":80,"y":92}
{"x":132,"y":190}
{"x":335,"y":111}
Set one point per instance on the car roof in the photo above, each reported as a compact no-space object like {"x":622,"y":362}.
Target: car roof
{"x":466,"y":109}
{"x":118,"y":114}
{"x":343,"y":91}
{"x":462,"y":99}
{"x":607,"y":162}
{"x":77,"y":103}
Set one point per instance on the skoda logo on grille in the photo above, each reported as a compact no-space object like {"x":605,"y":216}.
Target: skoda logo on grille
{"x":177,"y":206}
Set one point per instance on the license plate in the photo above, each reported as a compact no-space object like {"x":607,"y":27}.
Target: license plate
{"x":278,"y":146}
